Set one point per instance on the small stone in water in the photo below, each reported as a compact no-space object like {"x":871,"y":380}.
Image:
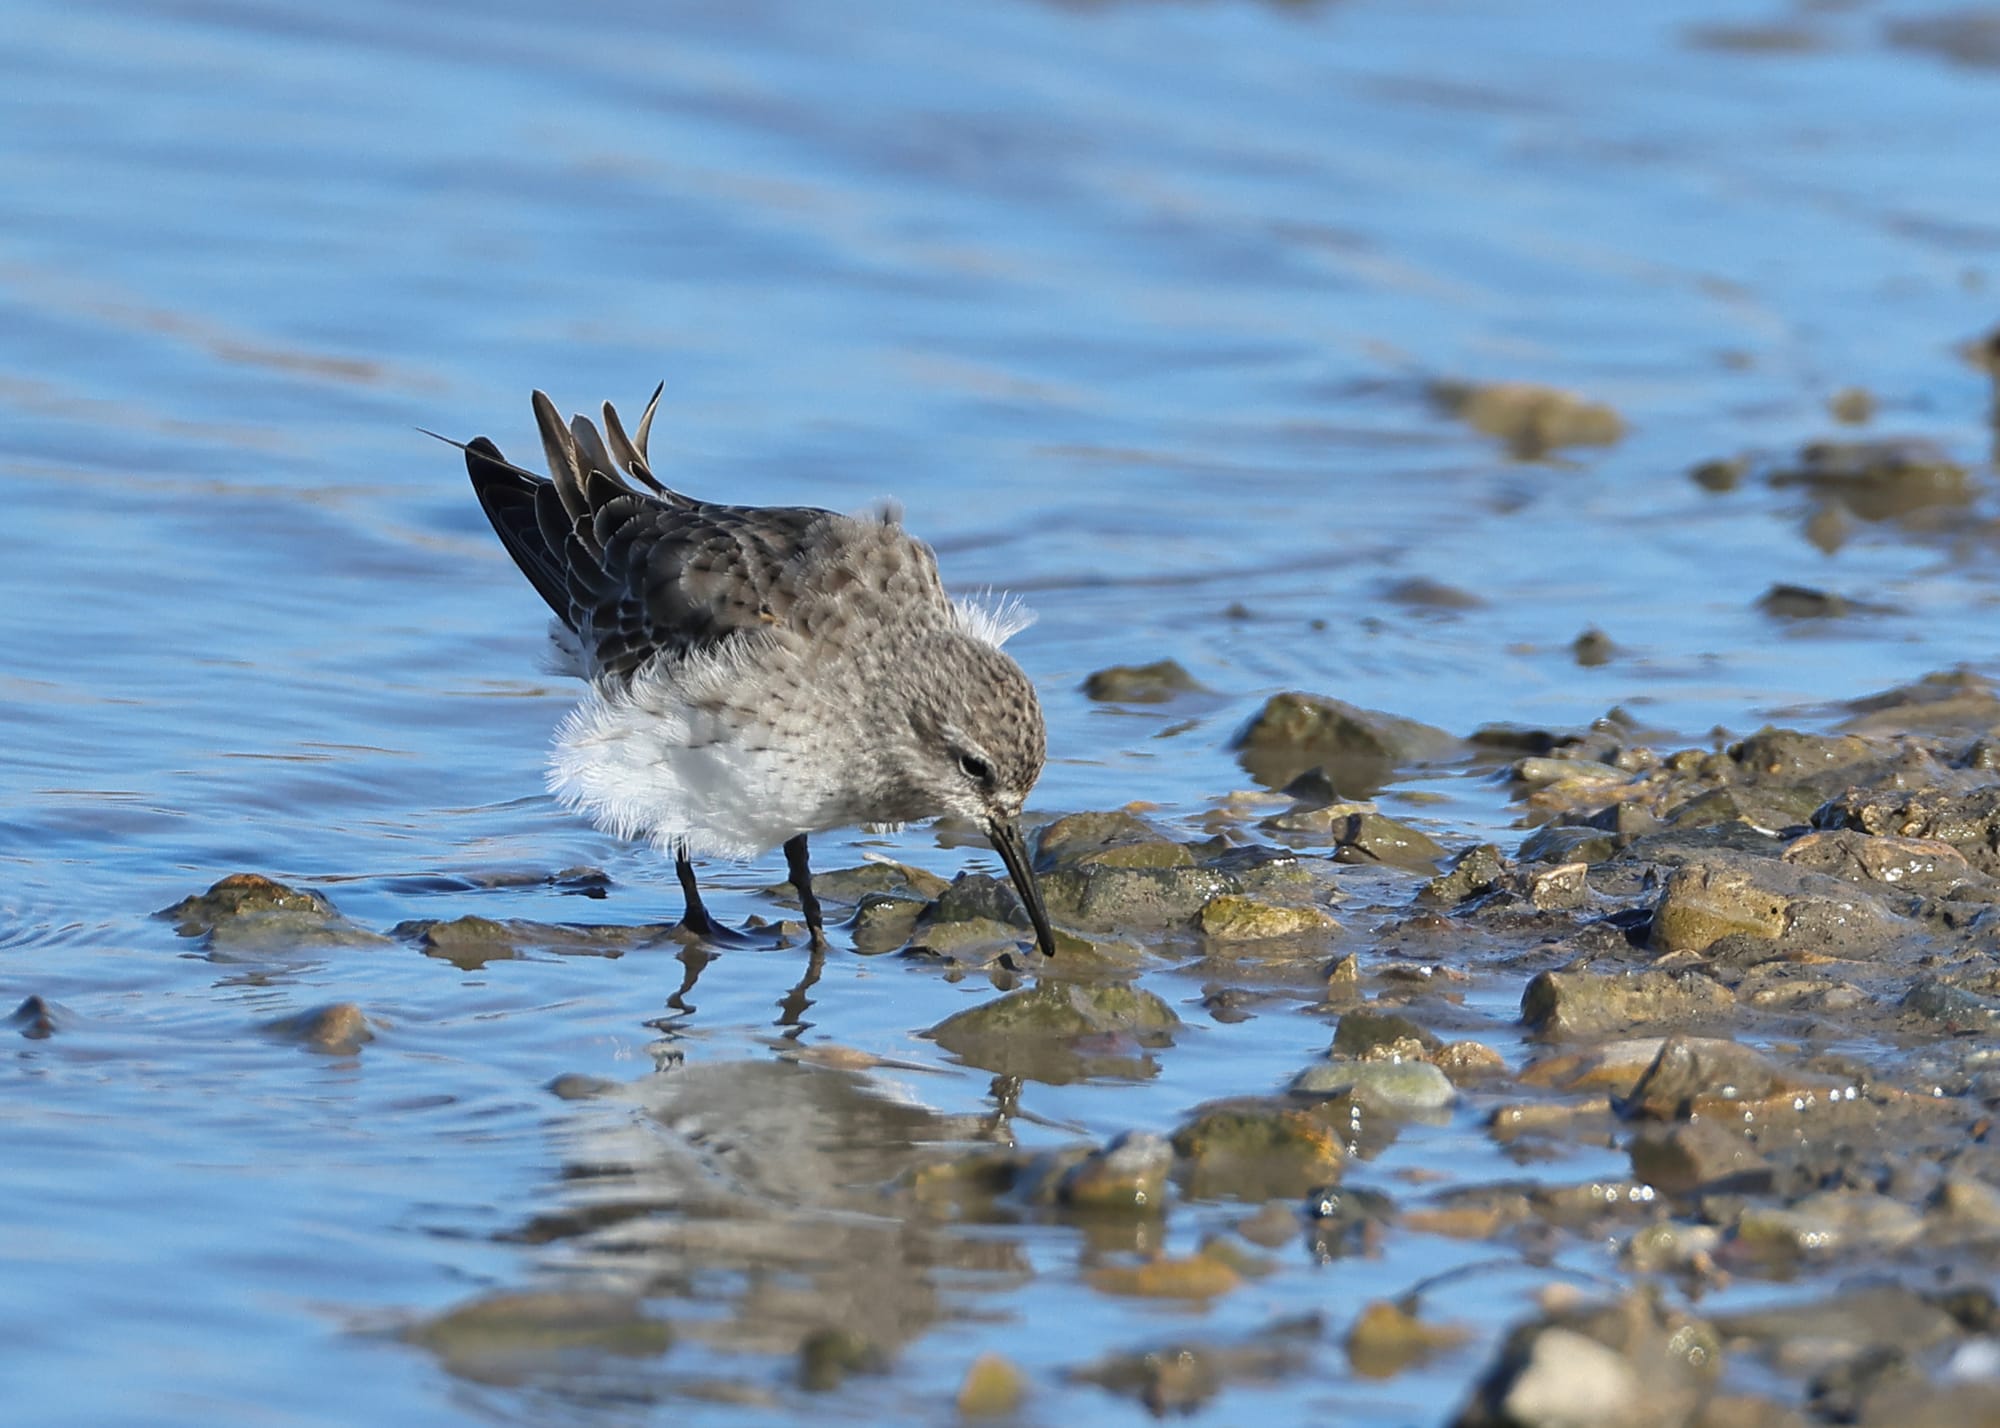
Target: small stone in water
{"x":993,"y":1387}
{"x":339,"y":1028}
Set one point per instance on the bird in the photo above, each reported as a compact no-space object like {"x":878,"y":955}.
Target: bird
{"x":758,"y":674}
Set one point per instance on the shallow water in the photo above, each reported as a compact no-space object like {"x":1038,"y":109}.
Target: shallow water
{"x":1133,"y":308}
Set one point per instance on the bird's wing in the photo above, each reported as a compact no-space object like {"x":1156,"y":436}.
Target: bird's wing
{"x":637,"y":573}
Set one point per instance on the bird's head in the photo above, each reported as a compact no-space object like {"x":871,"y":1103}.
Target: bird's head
{"x":979,"y":744}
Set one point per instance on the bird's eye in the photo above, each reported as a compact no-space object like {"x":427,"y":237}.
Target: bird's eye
{"x":975,"y":768}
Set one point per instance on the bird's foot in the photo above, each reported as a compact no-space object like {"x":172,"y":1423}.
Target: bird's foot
{"x":700,"y":927}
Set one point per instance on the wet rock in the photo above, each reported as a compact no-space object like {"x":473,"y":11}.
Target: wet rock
{"x":1843,"y":1325}
{"x":1560,"y":888}
{"x":1314,"y":788}
{"x":1107,"y":899}
{"x":1179,"y":1377}
{"x":1395,"y":1088}
{"x":1908,"y":1401}
{"x":471,"y":942}
{"x":1469,"y":1062}
{"x":1386,"y":1339}
{"x":850,"y":885}
{"x":1256,"y":1150}
{"x":511,"y":1338}
{"x":1968,"y":1207}
{"x":1154,"y":683}
{"x":1693,"y":1074}
{"x":1234,"y":918}
{"x":1128,"y":1176}
{"x":1948,"y":701}
{"x":1612,"y":1066}
{"x":829,"y":1357}
{"x":1061,"y":1031}
{"x":1473,"y":873}
{"x":1763,"y":811}
{"x":1532,"y":420}
{"x":1419,"y":592}
{"x":1271,"y":872}
{"x":1574,"y":1003}
{"x":1539,"y":772}
{"x":1359,"y":748}
{"x":248,"y":911}
{"x":1360,"y":833}
{"x":1342,"y":977}
{"x":1929,"y":866}
{"x":1626,"y":1365}
{"x":1878,"y":480}
{"x":1825,"y":1223}
{"x":1370,"y":1033}
{"x":883,"y":922}
{"x":1374,"y":837}
{"x":992,"y":1388}
{"x":1789,"y":756}
{"x":1593,"y":648}
{"x":338,"y":1029}
{"x":37,"y":1019}
{"x":1763,"y":898}
{"x":1970,"y":822}
{"x":1721,"y":474}
{"x":1802,"y":602}
{"x":1668,"y":1245}
{"x":977,"y":897}
{"x":1194,"y":1277}
{"x":1344,"y":1220}
{"x":1854,"y":406}
{"x":575,"y":1086}
{"x":1698,"y":1155}
{"x":976,"y":941}
{"x":1567,"y":843}
{"x":1087,"y":837}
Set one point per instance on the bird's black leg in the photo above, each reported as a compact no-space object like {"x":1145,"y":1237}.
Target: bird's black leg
{"x":802,"y":879}
{"x":696,"y":918}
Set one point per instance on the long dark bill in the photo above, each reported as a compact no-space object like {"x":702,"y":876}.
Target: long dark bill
{"x":1013,"y":851}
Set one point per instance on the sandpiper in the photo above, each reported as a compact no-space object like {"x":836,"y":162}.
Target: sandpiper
{"x":758,"y":674}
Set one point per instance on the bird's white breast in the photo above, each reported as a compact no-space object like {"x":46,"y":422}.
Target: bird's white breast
{"x":660,"y":758}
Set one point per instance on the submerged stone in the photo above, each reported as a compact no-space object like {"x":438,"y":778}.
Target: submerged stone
{"x":1573,"y":1003}
{"x":1698,"y":1155}
{"x":37,"y":1019}
{"x":338,"y":1028}
{"x":1532,"y":420}
{"x":850,"y":885}
{"x":1473,"y":873}
{"x":1629,"y":1364}
{"x":1076,"y":836}
{"x":992,"y":1388}
{"x":1197,"y":1276}
{"x":1764,"y":898}
{"x":1880,"y":479}
{"x":1154,"y":683}
{"x":1234,"y":918}
{"x":248,"y":911}
{"x":1061,"y":1031}
{"x":509,"y":1338}
{"x":1097,"y":898}
{"x":884,"y":921}
{"x":1395,"y":1088}
{"x":1128,"y":1176}
{"x":1691,"y":1072}
{"x":1256,"y":1150}
{"x":1386,"y":1339}
{"x":1369,"y":1032}
{"x":1359,"y":748}
{"x":828,"y":1357}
